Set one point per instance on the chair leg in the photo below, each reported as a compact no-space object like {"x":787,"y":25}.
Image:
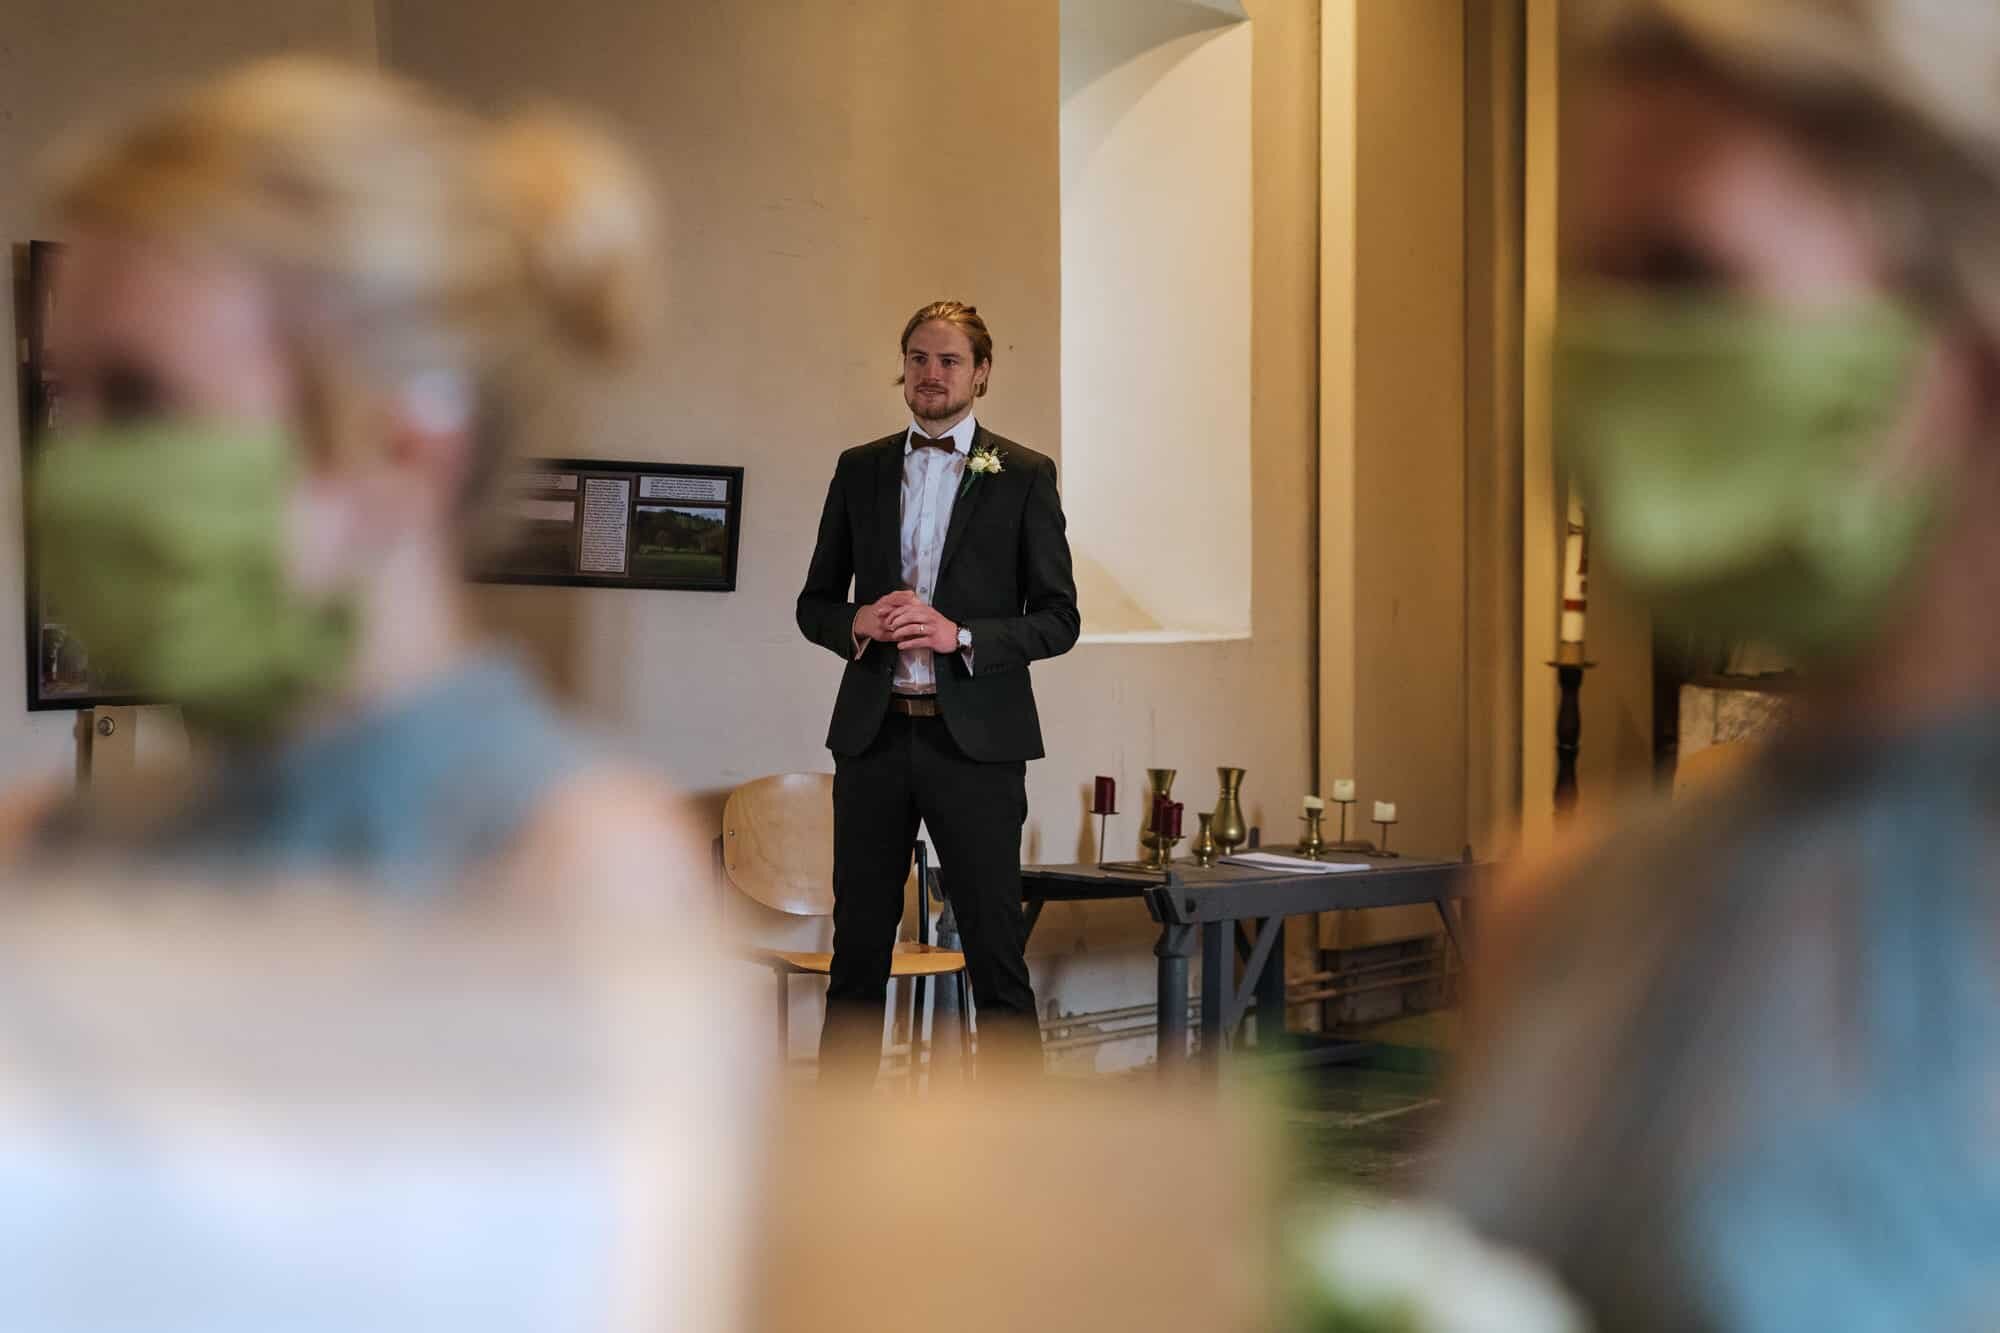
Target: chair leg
{"x":964,"y":1027}
{"x":784,"y":1018}
{"x":922,"y":990}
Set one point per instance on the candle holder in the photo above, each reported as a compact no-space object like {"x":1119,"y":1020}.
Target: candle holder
{"x":1385,"y":825}
{"x":1166,"y":833}
{"x":1159,"y":783}
{"x":1203,"y":848}
{"x":1103,"y":804}
{"x":1570,"y":664}
{"x":1343,"y":815}
{"x":1314,"y":841}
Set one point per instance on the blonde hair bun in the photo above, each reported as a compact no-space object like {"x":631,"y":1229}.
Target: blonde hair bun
{"x":587,"y":226}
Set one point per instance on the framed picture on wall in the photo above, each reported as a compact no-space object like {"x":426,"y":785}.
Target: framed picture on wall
{"x":595,"y":524}
{"x":59,"y":672}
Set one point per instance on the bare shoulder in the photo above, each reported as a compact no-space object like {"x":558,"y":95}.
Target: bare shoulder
{"x":617,"y":836}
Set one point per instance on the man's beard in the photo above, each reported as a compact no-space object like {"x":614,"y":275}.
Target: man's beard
{"x":943,"y":408}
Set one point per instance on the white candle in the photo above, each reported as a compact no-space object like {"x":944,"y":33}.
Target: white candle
{"x":1576,"y":572}
{"x":1343,"y":790}
{"x":1385,"y":812}
{"x":1314,"y":803}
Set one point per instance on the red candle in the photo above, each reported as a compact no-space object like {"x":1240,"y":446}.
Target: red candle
{"x":1175,"y":829}
{"x":1104,"y":801}
{"x":1162,"y":813}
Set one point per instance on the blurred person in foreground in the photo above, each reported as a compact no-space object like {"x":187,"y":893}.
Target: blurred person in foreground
{"x":1740,"y":1067}
{"x":332,"y":1114}
{"x":305,"y":315}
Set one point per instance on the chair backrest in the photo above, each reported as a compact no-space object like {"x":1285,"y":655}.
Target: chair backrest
{"x":777,"y":842}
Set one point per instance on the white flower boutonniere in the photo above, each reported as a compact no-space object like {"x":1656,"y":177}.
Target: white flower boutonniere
{"x":982,"y":462}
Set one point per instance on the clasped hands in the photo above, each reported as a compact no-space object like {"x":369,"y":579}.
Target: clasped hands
{"x":902,"y":619}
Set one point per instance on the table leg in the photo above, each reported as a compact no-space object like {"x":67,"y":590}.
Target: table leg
{"x":1455,"y":927}
{"x":1271,"y":996}
{"x":1031,"y":912}
{"x":1174,"y":946}
{"x":1218,"y":978}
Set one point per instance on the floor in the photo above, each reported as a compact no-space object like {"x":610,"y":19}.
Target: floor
{"x":1370,"y":1126}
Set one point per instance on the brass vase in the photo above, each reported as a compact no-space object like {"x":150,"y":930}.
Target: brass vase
{"x":1159,"y":782}
{"x":1203,"y":847}
{"x":1230,"y":833}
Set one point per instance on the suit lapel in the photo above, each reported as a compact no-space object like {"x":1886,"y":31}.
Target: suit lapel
{"x":962,"y":508}
{"x":889,"y":507}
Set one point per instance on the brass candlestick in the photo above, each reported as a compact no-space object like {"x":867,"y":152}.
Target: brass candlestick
{"x":1315,"y":840}
{"x":1159,"y":782}
{"x":1570,"y":666}
{"x":1385,"y":825}
{"x":1203,"y":848}
{"x":1166,"y":832}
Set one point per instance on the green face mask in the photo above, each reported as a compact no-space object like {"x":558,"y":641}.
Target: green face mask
{"x":1730,"y":456}
{"x":162,"y":546}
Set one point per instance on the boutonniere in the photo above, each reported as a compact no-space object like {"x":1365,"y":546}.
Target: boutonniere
{"x":982,"y":462}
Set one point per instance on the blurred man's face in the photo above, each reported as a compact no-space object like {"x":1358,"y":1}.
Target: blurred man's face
{"x":940,"y":378}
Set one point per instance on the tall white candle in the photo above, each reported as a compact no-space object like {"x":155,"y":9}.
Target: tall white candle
{"x":1576,"y":573}
{"x":1385,"y":812}
{"x":1343,"y":790}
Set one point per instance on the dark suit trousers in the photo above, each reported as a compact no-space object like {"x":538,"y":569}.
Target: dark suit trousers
{"x":974,"y":812}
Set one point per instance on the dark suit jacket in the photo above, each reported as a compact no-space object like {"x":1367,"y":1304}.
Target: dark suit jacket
{"x":1004,"y":574}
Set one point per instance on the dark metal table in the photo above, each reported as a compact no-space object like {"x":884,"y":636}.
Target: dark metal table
{"x":1242,"y":908}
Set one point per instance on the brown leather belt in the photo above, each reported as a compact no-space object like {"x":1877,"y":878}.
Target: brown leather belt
{"x":915,"y":705}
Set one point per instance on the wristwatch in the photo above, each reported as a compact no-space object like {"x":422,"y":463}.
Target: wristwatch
{"x":964,"y":639}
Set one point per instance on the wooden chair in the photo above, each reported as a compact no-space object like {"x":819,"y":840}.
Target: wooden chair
{"x":777,"y":850}
{"x":1711,"y":766}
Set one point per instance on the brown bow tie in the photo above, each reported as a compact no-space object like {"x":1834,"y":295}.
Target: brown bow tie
{"x":919,"y":440}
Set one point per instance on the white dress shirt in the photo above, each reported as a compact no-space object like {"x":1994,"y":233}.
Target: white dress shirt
{"x":931,"y":481}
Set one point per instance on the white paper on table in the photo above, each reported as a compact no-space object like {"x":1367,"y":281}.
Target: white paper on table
{"x":1296,"y":864}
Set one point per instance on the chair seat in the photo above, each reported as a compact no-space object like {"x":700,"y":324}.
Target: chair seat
{"x":909,"y":960}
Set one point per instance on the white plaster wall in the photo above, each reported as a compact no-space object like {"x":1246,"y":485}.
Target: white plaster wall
{"x":1156,"y":234}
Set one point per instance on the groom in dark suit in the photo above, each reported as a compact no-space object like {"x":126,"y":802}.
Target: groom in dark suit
{"x":953,"y":541}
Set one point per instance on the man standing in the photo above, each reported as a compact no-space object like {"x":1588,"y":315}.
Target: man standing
{"x":954,"y":543}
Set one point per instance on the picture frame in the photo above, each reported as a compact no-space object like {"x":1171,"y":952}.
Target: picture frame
{"x":59,"y":674}
{"x":597,"y":523}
